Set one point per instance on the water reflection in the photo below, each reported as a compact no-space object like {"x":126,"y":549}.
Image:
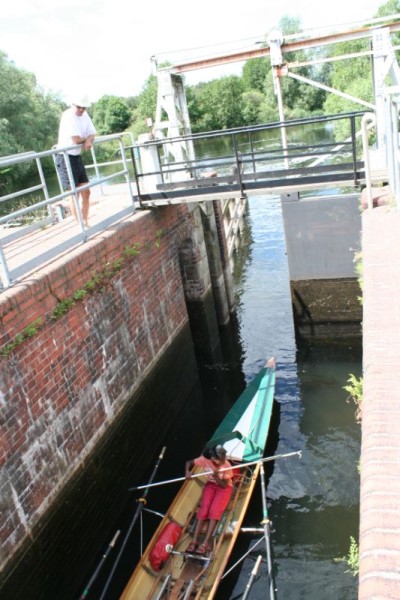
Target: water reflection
{"x":313,"y":501}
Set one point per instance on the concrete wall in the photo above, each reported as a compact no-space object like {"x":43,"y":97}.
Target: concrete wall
{"x":322,"y":235}
{"x":78,"y":341}
{"x":322,"y":239}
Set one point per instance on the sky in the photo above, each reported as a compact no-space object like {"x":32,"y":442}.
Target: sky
{"x":99,"y":47}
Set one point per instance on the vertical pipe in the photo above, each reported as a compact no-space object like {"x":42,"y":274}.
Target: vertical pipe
{"x":353,"y":148}
{"x":278,"y":91}
{"x":4,"y":269}
{"x":267,"y":524}
{"x":136,"y":175}
{"x":364,"y":136}
{"x":126,"y":171}
{"x":239,"y":167}
{"x":44,"y":186}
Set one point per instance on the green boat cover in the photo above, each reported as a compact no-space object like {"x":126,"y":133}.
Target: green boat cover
{"x":244,"y":430}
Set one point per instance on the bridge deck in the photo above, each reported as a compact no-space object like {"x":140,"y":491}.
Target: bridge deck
{"x":28,"y":250}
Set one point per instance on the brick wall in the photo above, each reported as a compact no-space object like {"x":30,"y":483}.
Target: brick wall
{"x":102,"y":318}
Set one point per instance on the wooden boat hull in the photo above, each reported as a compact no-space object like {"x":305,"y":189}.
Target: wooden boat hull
{"x":184,"y":571}
{"x":183,"y":576}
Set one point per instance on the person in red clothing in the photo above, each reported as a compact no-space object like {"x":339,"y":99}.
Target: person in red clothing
{"x":216,"y":494}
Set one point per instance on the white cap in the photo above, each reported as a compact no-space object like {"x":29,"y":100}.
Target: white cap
{"x":79,"y":100}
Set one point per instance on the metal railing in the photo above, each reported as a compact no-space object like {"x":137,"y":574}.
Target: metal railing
{"x":254,"y":158}
{"x":231,"y":162}
{"x":49,"y":209}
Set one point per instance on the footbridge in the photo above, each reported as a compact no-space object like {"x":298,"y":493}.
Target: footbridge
{"x":244,"y":161}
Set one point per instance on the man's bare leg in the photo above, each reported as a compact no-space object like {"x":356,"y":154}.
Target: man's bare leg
{"x":85,"y":195}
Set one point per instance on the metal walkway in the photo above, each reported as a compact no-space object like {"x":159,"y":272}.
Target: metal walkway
{"x":253,"y":162}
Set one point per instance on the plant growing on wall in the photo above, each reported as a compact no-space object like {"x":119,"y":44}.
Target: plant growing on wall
{"x":96,"y":283}
{"x":352,"y":558}
{"x":354,"y":388}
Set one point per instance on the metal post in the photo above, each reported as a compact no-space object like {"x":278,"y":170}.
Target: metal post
{"x":4,"y":269}
{"x":278,"y":91}
{"x":353,"y":148}
{"x":136,"y":175}
{"x":44,"y":186}
{"x":267,"y":524}
{"x":127,"y":178}
{"x":238,"y":167}
{"x":368,"y":117}
{"x":96,"y":168}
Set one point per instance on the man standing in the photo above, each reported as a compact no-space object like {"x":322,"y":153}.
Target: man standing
{"x":76,"y":127}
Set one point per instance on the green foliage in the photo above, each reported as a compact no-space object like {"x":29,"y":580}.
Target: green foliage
{"x":218,"y":104}
{"x":254,"y":74}
{"x":145,"y":106}
{"x":252,"y":107}
{"x":354,"y":388}
{"x":28,"y":119}
{"x":111,"y":114}
{"x":352,"y":559}
{"x":28,"y":332}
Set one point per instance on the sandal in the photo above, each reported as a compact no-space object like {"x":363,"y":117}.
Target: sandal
{"x":191,"y":549}
{"x":203,"y":549}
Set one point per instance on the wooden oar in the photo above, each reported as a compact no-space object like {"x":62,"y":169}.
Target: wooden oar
{"x":240,"y":466}
{"x":141,"y":501}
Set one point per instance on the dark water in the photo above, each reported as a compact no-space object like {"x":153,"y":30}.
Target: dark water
{"x":313,"y":502}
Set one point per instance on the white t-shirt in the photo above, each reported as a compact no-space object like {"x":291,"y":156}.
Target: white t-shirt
{"x":72,"y":124}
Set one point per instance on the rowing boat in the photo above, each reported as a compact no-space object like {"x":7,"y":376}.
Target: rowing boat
{"x":166,"y":570}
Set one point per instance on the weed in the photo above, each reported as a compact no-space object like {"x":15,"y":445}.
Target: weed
{"x":352,"y":559}
{"x":354,"y":388}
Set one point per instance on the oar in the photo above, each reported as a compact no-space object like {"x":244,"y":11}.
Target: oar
{"x":266,"y":523}
{"x":252,"y":577}
{"x":141,"y":501}
{"x":245,"y":464}
{"x":98,"y":568}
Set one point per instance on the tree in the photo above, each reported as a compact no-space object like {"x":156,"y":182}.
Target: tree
{"x":252,"y":110}
{"x":28,"y":118}
{"x":146,"y":104}
{"x":111,"y":114}
{"x":254,"y":73}
{"x":218,"y":104}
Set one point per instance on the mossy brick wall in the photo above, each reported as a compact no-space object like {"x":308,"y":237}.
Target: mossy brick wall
{"x":102,"y":317}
